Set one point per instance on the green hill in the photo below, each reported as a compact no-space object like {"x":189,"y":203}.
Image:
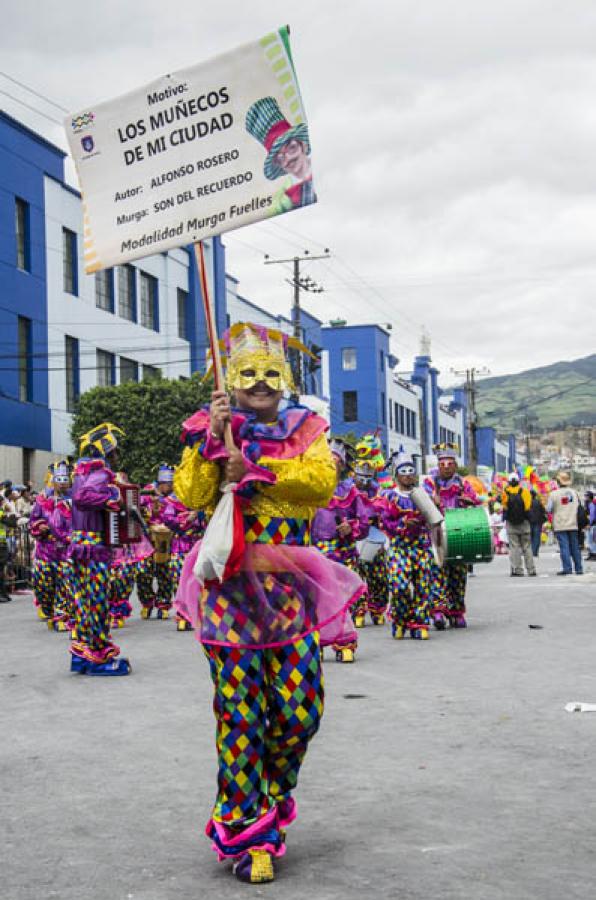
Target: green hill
{"x":554,"y":396}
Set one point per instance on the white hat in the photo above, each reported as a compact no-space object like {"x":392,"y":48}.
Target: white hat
{"x":513,"y":477}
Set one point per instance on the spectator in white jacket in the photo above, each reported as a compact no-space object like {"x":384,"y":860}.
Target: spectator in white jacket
{"x":564,"y":504}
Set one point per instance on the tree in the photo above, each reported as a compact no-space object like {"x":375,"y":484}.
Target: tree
{"x":151,"y":415}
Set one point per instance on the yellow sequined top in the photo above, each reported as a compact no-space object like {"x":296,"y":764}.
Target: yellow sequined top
{"x":304,"y":483}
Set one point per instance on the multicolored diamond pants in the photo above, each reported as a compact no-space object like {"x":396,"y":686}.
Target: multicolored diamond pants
{"x":147,"y":570}
{"x":268,"y":705}
{"x":175,"y":565}
{"x":91,"y":584}
{"x":449,"y":588}
{"x":375,"y":575}
{"x":409,"y":567}
{"x":347,"y":554}
{"x":52,"y":587}
{"x":122,"y":582}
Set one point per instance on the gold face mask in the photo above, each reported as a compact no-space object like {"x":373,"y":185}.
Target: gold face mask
{"x":246,"y":371}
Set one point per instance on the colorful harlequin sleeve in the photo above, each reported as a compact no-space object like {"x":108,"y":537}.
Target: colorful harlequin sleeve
{"x":302,"y":483}
{"x":470,"y":494}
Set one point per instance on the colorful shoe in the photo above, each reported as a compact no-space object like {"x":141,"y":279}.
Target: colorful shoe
{"x":419,"y":634}
{"x":359,"y":621}
{"x":146,"y":612}
{"x":183,"y":625}
{"x":378,"y":619}
{"x":345,"y":655}
{"x":83,"y":666}
{"x":398,"y":632}
{"x":41,"y":615}
{"x":163,"y":613}
{"x":61,"y":626}
{"x":439,"y":621}
{"x":458,"y":621}
{"x":254,"y":867}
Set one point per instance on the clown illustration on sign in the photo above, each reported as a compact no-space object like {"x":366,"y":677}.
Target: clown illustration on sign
{"x":288,"y":149}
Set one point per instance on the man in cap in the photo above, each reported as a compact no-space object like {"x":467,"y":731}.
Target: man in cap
{"x":517,"y":502}
{"x":564,"y":504}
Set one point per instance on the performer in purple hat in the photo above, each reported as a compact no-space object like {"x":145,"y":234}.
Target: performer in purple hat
{"x":50,"y":525}
{"x":153,"y":505}
{"x":335,"y":531}
{"x":449,"y":491}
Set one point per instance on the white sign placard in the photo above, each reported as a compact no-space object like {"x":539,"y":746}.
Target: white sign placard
{"x":193,"y":154}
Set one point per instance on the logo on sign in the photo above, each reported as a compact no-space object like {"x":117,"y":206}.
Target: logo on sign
{"x":82,"y":121}
{"x":87,"y":143}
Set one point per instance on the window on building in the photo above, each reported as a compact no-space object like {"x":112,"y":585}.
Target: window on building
{"x":383,"y":408}
{"x":149,"y":312}
{"x":350,"y":406}
{"x":183,"y":314}
{"x":348,"y":359}
{"x":71,"y":354}
{"x":395,"y":416}
{"x":150,"y":372}
{"x":106,"y":369}
{"x":25,"y":373}
{"x":104,"y":290}
{"x":22,"y":234}
{"x":127,"y":293}
{"x":381,"y":361}
{"x":402,"y":419}
{"x":129,"y":370}
{"x":390,"y":407}
{"x":28,"y":455}
{"x":69,"y":262}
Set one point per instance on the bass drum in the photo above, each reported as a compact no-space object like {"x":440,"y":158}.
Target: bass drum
{"x":464,"y":536}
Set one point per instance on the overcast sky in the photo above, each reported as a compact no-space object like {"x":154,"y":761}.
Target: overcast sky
{"x":454,"y":155}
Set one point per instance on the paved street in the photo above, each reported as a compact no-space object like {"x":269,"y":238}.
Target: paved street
{"x":444,"y":770}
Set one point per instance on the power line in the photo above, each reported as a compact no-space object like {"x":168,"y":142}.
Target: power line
{"x":32,"y":108}
{"x":33,"y":91}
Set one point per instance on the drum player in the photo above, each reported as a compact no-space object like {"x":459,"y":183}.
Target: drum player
{"x":153,"y":505}
{"x":409,"y":558}
{"x":448,"y":490}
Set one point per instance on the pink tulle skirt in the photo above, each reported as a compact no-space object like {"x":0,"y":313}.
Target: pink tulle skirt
{"x":282,"y":593}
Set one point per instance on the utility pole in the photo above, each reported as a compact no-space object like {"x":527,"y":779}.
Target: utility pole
{"x":472,"y":419}
{"x":299,"y":284}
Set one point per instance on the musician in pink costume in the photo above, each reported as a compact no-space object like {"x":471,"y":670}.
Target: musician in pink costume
{"x":126,"y":561}
{"x":335,"y":531}
{"x":50,"y":525}
{"x":93,"y":492}
{"x":449,"y":491}
{"x":261,"y":626}
{"x":187,"y":526}
{"x":153,"y":505}
{"x":409,"y":556}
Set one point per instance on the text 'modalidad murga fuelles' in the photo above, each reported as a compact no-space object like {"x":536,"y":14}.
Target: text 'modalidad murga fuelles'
{"x":194,"y":154}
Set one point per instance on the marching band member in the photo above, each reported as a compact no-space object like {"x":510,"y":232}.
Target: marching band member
{"x":374,"y":572}
{"x":50,"y":524}
{"x":187,"y":527}
{"x":94,"y":491}
{"x":261,"y":627}
{"x":335,"y":530}
{"x":449,"y":491}
{"x":409,"y":555}
{"x":152,"y":505}
{"x":125,"y":564}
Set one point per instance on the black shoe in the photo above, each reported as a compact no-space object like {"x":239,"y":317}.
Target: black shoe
{"x":564,"y":573}
{"x":517,"y":574}
{"x":532,"y":574}
{"x":5,"y":598}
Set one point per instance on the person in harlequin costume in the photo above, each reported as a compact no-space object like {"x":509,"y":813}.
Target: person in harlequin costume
{"x":94,"y":491}
{"x":335,"y":531}
{"x":124,"y":567}
{"x":262,"y":626}
{"x":153,"y":505}
{"x":367,"y":468}
{"x":409,"y":555}
{"x":187,"y":527}
{"x":449,"y":491}
{"x":50,"y":525}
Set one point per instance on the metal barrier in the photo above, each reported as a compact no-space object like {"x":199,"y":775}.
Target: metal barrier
{"x":17,"y":572}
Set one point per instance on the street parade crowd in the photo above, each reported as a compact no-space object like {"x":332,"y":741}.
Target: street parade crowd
{"x":272,"y":543}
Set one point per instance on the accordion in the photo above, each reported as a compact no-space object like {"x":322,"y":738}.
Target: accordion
{"x":125,"y":526}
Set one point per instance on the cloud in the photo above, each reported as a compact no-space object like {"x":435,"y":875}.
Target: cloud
{"x":453,"y":147}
